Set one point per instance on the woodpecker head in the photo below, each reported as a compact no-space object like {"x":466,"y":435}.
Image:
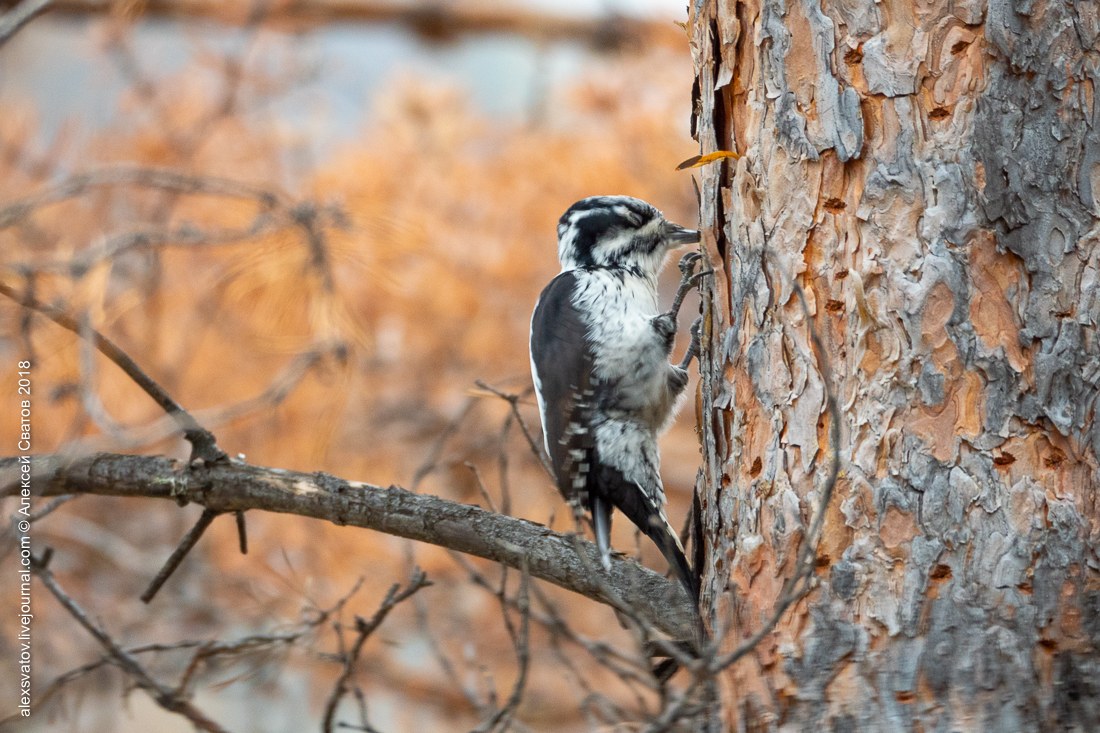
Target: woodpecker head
{"x":618,"y":232}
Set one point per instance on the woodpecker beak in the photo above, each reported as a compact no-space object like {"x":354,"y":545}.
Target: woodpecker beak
{"x":677,"y":236}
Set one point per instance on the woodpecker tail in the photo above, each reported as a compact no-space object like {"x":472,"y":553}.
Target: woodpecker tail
{"x":601,"y":525}
{"x":669,"y":545}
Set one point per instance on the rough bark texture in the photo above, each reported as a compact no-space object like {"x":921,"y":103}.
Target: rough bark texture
{"x":929,"y":172}
{"x":233,"y":486}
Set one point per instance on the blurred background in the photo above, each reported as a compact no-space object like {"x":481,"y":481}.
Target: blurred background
{"x":370,"y":214}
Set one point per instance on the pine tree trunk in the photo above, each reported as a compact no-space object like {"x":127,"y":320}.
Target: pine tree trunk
{"x":930,"y":174}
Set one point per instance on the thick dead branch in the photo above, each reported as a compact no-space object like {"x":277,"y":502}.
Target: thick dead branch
{"x":234,"y":486}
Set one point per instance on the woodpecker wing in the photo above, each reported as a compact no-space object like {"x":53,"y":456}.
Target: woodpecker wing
{"x":561,"y":364}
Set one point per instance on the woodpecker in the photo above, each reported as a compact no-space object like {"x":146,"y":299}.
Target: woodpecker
{"x":600,"y":360}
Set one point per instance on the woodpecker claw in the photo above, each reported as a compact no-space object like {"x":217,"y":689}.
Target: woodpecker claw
{"x":688,"y":280}
{"x":694,"y":347}
{"x":688,"y":262}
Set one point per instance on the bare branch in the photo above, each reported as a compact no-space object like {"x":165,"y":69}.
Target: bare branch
{"x":202,"y":441}
{"x":204,"y":651}
{"x":513,"y":400}
{"x":481,"y":487}
{"x":13,"y":21}
{"x":363,"y":630}
{"x":179,"y":554}
{"x":502,"y":717}
{"x":234,"y":486}
{"x":627,"y":668}
{"x":163,"y":696}
{"x":145,"y":178}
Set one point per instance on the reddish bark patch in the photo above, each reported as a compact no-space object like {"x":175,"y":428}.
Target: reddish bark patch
{"x":835,"y":205}
{"x":835,"y":306}
{"x":897,"y":528}
{"x":853,"y":57}
{"x":757,"y":466}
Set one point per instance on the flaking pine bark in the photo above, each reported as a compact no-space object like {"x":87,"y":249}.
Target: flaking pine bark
{"x":930,"y":174}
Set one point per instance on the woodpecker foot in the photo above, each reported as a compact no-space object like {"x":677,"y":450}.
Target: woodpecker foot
{"x":688,"y":262}
{"x":694,"y":347}
{"x":688,"y":280}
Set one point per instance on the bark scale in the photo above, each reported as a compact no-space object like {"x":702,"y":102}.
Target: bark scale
{"x":930,"y":174}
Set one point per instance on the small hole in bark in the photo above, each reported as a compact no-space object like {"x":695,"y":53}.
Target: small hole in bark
{"x":834,"y":306}
{"x":1048,"y":644}
{"x":1005,"y":459}
{"x":939,"y":113}
{"x":941,"y":572}
{"x":834,"y":205}
{"x":757,"y":466}
{"x":1056,"y":458}
{"x":904,"y":696}
{"x":854,"y":56}
{"x":959,"y":47}
{"x":822,"y":561}
{"x":842,"y":274}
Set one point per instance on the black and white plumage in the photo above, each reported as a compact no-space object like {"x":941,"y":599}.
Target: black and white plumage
{"x":599,"y":358}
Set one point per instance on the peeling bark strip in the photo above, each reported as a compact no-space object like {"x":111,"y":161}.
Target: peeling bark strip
{"x":930,"y":172}
{"x":232,"y":487}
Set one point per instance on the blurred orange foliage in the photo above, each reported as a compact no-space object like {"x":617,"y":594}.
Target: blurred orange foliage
{"x":407,"y":264}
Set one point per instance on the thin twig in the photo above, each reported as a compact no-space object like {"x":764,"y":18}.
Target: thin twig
{"x":502,"y":464}
{"x":202,"y":441}
{"x":481,"y":487}
{"x":179,"y":554}
{"x":205,"y":650}
{"x":502,"y":717}
{"x":185,"y":235}
{"x":431,"y":462}
{"x":143,"y":177}
{"x":162,"y":695}
{"x":364,"y":628}
{"x":46,"y":510}
{"x":513,"y":400}
{"x":242,"y":533}
{"x":627,"y":668}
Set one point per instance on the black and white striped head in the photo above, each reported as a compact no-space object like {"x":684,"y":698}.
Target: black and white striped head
{"x":618,"y":232}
